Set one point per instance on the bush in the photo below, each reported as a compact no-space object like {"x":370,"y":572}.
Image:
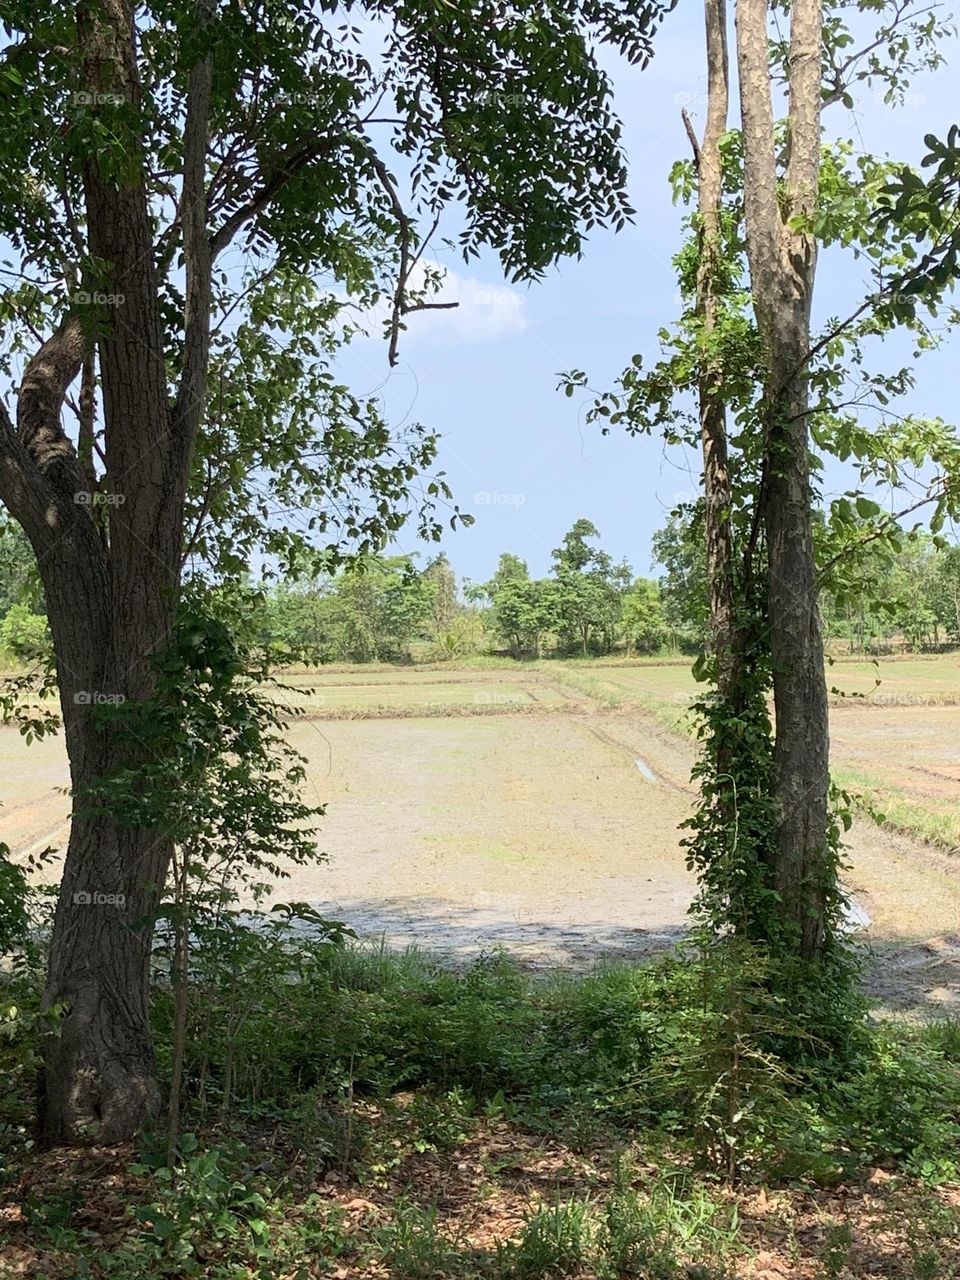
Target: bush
{"x":25,"y":634}
{"x":276,"y":1017}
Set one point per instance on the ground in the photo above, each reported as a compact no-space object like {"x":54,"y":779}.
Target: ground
{"x":427,"y":1213}
{"x":538,"y":807}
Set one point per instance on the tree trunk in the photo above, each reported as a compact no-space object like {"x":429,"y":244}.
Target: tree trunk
{"x":781,"y":250}
{"x":110,"y":564}
{"x":718,"y":498}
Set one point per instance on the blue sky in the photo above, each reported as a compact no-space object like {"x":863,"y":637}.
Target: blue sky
{"x":515,"y":450}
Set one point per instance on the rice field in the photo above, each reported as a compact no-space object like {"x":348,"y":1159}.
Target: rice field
{"x":539,"y":807}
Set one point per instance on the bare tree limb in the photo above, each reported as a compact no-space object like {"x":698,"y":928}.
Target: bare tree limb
{"x":407,"y":235}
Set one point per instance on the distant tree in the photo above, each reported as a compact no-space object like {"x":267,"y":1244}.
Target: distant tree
{"x":406,"y":606}
{"x":440,"y":573}
{"x":948,"y":590}
{"x":680,"y":548}
{"x":915,"y":588}
{"x":19,"y":579}
{"x":299,"y":621}
{"x":589,"y":588}
{"x":643,"y":621}
{"x":24,"y":634}
{"x":524,"y":611}
{"x":575,"y":553}
{"x":510,"y":568}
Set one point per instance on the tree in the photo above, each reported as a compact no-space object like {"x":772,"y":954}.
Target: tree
{"x":510,"y":568}
{"x":948,"y":590}
{"x":781,"y":248}
{"x":765,"y":390}
{"x":407,"y":603}
{"x":642,"y":618}
{"x":297,"y":624}
{"x":155,"y":140}
{"x":524,"y":611}
{"x":19,"y":581}
{"x":24,"y":634}
{"x":440,"y":573}
{"x":679,"y":547}
{"x":589,"y":587}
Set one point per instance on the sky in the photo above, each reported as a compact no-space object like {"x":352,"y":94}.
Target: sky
{"x":515,"y":450}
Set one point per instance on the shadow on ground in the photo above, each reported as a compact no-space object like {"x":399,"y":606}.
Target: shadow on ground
{"x":903,"y":975}
{"x":462,"y":932}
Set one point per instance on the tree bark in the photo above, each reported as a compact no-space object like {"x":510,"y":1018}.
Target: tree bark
{"x":718,"y":499}
{"x":781,"y":250}
{"x":98,"y":1081}
{"x":110,"y":565}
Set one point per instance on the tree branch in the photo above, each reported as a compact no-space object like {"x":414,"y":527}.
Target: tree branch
{"x":197,"y":252}
{"x":888,"y":522}
{"x":292,"y":162}
{"x":761,"y":205}
{"x":407,"y":235}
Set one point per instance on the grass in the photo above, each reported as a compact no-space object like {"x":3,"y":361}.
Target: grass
{"x":388,"y":1117}
{"x":891,"y":807}
{"x":612,"y":694}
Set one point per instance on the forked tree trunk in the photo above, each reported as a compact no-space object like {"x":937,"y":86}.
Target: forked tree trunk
{"x":99,"y":1080}
{"x":110,"y":565}
{"x":781,"y":250}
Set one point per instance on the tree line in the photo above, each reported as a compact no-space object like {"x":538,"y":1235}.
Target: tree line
{"x":904,"y":596}
{"x":384,"y":608}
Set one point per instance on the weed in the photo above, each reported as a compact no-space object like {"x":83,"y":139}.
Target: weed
{"x":413,"y":1247}
{"x":555,"y":1241}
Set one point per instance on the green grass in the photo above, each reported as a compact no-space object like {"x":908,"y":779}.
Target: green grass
{"x":891,"y":807}
{"x":381,"y":1104}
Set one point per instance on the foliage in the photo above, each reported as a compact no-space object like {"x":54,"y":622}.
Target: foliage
{"x":627,"y":1046}
{"x":19,"y":581}
{"x":295,"y":1029}
{"x":582,"y":605}
{"x":679,"y":548}
{"x":215,"y":772}
{"x":384,"y":609}
{"x":372,"y":611}
{"x":899,"y":590}
{"x":643,"y":617}
{"x":308,"y":117}
{"x":24,"y":634}
{"x":25,"y":914}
